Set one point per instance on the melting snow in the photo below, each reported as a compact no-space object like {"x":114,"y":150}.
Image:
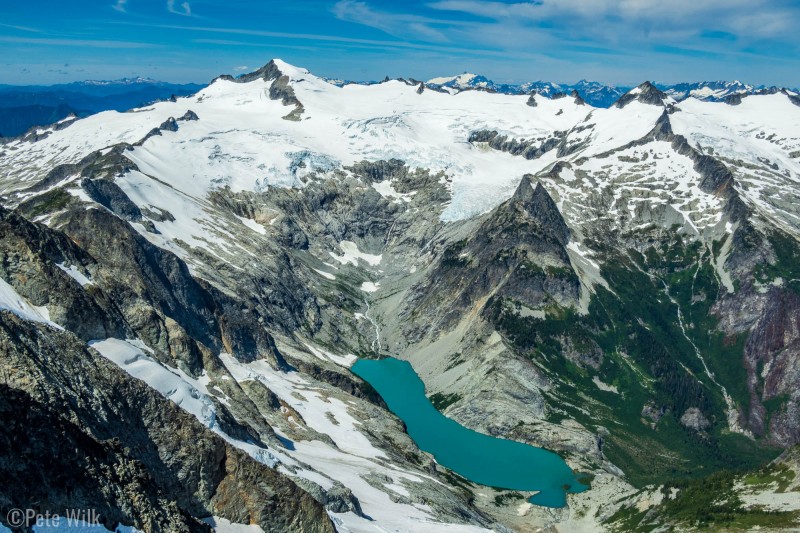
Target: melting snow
{"x":75,"y":274}
{"x":352,"y":254}
{"x":10,"y":300}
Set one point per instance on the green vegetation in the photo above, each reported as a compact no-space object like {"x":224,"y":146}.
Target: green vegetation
{"x":46,"y":203}
{"x":780,"y":474}
{"x":711,"y":502}
{"x":443,"y":401}
{"x":708,"y":503}
{"x":507,"y":497}
{"x":786,"y":265}
{"x":451,"y":256}
{"x":650,"y":356}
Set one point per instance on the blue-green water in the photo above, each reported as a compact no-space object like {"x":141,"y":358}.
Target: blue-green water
{"x":480,"y":458}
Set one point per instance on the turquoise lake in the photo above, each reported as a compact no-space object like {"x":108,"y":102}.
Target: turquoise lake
{"x":480,"y":458}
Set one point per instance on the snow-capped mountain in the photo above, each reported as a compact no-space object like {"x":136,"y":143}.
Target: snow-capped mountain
{"x":714,"y":91}
{"x":185,"y":287}
{"x":594,"y":93}
{"x":464,"y":81}
{"x":601,"y":95}
{"x":138,"y":80}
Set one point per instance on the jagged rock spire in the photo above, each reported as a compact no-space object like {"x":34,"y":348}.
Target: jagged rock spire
{"x":534,"y":200}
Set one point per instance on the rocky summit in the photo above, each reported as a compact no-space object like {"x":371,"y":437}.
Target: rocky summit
{"x":184,"y":288}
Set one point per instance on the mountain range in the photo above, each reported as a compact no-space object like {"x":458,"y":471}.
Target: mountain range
{"x":185,"y":287}
{"x":24,"y":107}
{"x":598,"y":94}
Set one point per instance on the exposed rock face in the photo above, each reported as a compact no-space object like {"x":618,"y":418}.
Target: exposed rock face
{"x":169,"y":466}
{"x":734,"y":99}
{"x":578,"y":99}
{"x":88,"y":474}
{"x":536,"y":204}
{"x":29,"y":253}
{"x":280,"y":89}
{"x":518,"y":252}
{"x":531,"y":149}
{"x":647,"y":93}
{"x":693,"y":418}
{"x":109,"y":195}
{"x":268,"y":72}
{"x":771,"y":358}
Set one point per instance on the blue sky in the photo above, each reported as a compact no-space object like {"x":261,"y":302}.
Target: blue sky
{"x":613,"y":41}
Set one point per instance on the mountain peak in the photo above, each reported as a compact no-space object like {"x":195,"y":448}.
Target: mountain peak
{"x":273,"y":70}
{"x":467,"y":80}
{"x":647,"y":93}
{"x":537,"y":203}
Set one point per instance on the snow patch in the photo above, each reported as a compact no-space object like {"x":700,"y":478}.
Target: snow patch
{"x":352,"y":255}
{"x":222,"y":525}
{"x":346,"y":360}
{"x":253,"y":225}
{"x":11,"y":300}
{"x":187,"y":393}
{"x":326,"y":275}
{"x":369,"y":286}
{"x":75,"y":274}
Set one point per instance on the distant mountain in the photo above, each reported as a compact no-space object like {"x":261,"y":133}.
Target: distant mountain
{"x":594,"y":93}
{"x":710,"y":90}
{"x":598,"y":94}
{"x":22,"y":107}
{"x":464,"y":81}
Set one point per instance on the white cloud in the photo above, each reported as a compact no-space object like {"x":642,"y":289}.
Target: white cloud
{"x":184,"y":8}
{"x":747,"y":18}
{"x":241,"y":68}
{"x":120,"y":5}
{"x":589,"y":27}
{"x":396,"y":24}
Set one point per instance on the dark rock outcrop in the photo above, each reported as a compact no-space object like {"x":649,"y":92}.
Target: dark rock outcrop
{"x":109,"y":195}
{"x":734,"y":99}
{"x":28,"y":255}
{"x":280,"y":89}
{"x":529,"y":149}
{"x":647,"y":93}
{"x":189,"y":115}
